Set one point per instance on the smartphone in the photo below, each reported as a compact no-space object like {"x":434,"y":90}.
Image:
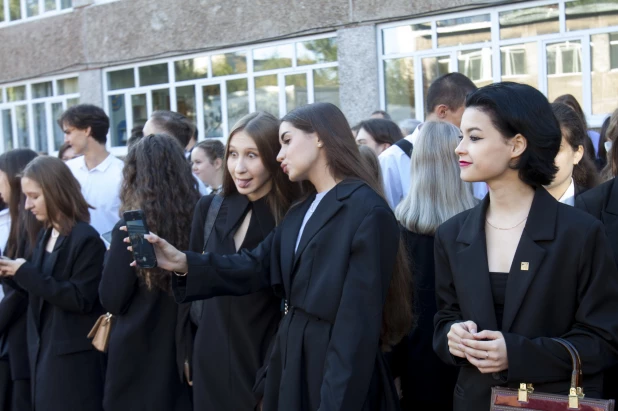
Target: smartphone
{"x":143,"y":251}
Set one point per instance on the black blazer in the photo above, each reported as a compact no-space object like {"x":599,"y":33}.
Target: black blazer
{"x":602,"y":203}
{"x":67,"y":372}
{"x":141,"y":357}
{"x":426,"y":381}
{"x":326,"y":354}
{"x":234,"y":332}
{"x":570,"y":290}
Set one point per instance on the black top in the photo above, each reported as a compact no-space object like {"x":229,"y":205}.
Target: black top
{"x":142,"y":373}
{"x":498,"y":290}
{"x":234,"y":332}
{"x":326,"y":353}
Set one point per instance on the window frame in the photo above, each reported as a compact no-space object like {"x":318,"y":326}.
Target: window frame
{"x":24,"y":12}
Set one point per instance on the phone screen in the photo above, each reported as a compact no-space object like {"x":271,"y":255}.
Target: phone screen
{"x":143,"y":251}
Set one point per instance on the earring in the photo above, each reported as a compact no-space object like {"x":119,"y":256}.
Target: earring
{"x":319,"y":144}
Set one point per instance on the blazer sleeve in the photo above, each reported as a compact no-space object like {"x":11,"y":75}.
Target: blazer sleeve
{"x":212,"y":275}
{"x":12,"y":307}
{"x":119,"y":280}
{"x":595,"y":329}
{"x":80,"y":292}
{"x":354,"y":344}
{"x":447,"y":303}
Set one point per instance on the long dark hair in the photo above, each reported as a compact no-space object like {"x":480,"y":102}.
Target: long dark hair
{"x":344,"y":161}
{"x":158,"y":180}
{"x":383,"y":131}
{"x":263,"y":128}
{"x":24,"y":225}
{"x":574,"y":131}
{"x":572,"y":102}
{"x":64,"y":201}
{"x":611,"y":169}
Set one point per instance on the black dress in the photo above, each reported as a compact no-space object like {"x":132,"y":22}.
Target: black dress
{"x":426,"y":381}
{"x":142,"y":373}
{"x":234,"y":332}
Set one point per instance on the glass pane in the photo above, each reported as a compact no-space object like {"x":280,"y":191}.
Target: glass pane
{"x":40,"y":127}
{"x":433,"y":67}
{"x":68,"y":86}
{"x":212,"y":111}
{"x":66,"y":4}
{"x":520,"y":63}
{"x":191,"y":69}
{"x":2,"y":12}
{"x":140,"y":110}
{"x":229,"y":63}
{"x":476,"y":65}
{"x":7,"y":130}
{"x":21,"y":115}
{"x":14,"y":10}
{"x":50,"y":5}
{"x":185,"y":101}
{"x":464,"y":30}
{"x":564,"y":70}
{"x":72,"y":102}
{"x":161,"y":99}
{"x":529,"y":22}
{"x":120,"y":79}
{"x":399,"y":87}
{"x":42,"y":90}
{"x":273,"y":57}
{"x":117,"y":121}
{"x":32,"y":8}
{"x":237,"y":101}
{"x":155,"y":74}
{"x":591,"y":14}
{"x":57,"y":111}
{"x":406,"y":39}
{"x":316,"y":51}
{"x":267,"y":94}
{"x":16,"y":93}
{"x":295,"y":91}
{"x":604,"y":54}
{"x":326,"y":85}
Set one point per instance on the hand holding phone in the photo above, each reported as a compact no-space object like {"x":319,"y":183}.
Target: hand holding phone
{"x":143,"y":251}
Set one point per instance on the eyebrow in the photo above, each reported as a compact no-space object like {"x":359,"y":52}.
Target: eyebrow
{"x":473,"y":129}
{"x":283,"y":134}
{"x":246,"y":148}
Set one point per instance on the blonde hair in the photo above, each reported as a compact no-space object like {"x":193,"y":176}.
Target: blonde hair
{"x":436,"y":191}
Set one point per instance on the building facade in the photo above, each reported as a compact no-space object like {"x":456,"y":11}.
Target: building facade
{"x":216,"y":61}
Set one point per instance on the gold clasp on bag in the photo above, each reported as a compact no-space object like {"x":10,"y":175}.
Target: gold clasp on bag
{"x":575,"y":394}
{"x":524,"y":390}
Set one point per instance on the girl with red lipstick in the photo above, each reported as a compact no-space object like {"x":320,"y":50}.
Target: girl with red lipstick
{"x":335,"y":259}
{"x":234,"y":332}
{"x":520,"y":268}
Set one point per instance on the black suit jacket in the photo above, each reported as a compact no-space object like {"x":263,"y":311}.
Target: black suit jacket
{"x":67,"y":372}
{"x":326,"y":354}
{"x":570,"y":290}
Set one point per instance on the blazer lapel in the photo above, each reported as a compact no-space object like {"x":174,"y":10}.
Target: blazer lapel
{"x":235,"y":207}
{"x":529,"y":255}
{"x":472,"y":283}
{"x":51,"y":263}
{"x":289,"y":234}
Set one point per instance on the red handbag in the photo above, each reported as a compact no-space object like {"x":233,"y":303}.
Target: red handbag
{"x":525,"y":399}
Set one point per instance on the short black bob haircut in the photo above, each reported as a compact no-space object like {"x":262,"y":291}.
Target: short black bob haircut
{"x":521,"y":109}
{"x":83,"y":116}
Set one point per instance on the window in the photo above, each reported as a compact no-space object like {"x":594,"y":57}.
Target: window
{"x":29,"y":113}
{"x":32,"y":8}
{"x":530,"y":43}
{"x":216,"y":89}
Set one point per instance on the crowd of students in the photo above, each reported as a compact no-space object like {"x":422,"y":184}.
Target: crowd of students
{"x":310,"y":265}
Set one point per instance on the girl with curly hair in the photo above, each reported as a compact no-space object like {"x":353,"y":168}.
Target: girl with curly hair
{"x":143,"y":371}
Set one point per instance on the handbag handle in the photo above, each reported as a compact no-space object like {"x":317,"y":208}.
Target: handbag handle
{"x":576,"y":391}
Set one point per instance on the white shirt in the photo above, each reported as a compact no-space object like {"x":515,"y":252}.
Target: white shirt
{"x":308,"y":214}
{"x":204,"y":190}
{"x":395,"y":165}
{"x":101,"y":189}
{"x":568,"y":197}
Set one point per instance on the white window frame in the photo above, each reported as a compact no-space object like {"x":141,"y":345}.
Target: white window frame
{"x":29,"y":102}
{"x":495,"y":44}
{"x":250,"y":75}
{"x":24,"y":18}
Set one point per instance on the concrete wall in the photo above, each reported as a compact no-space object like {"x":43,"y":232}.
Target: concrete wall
{"x":101,"y":35}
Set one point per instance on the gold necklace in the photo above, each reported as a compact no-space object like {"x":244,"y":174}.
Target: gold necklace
{"x":506,"y":229}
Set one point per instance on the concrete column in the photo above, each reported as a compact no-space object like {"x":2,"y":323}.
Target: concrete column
{"x":91,"y":87}
{"x":358,"y":72}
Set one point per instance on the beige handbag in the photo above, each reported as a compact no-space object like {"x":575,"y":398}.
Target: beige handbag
{"x":100,"y":332}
